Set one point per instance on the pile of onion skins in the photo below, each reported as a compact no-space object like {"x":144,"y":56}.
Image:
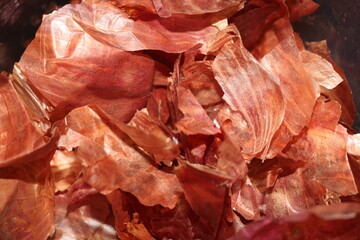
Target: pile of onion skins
{"x":177,"y":120}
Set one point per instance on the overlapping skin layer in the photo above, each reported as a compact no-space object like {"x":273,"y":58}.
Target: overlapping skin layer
{"x":160,"y":119}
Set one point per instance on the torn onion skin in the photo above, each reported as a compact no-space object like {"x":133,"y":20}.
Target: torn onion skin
{"x":169,"y":119}
{"x":339,"y":221}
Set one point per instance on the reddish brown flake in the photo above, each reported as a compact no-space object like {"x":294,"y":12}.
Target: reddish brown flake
{"x":113,"y":161}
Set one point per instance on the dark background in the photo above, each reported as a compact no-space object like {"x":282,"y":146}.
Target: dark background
{"x":337,"y":21}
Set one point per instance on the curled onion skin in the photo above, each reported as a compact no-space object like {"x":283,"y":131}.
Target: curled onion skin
{"x":159,"y":119}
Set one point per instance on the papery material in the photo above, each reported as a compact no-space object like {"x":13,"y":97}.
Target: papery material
{"x":166,"y":8}
{"x":195,"y":120}
{"x":27,"y":200}
{"x":135,"y":7}
{"x":355,"y":167}
{"x":228,"y":229}
{"x":205,"y":191}
{"x":337,"y":174}
{"x":108,"y":74}
{"x":257,"y":17}
{"x":27,"y":189}
{"x":342,"y":93}
{"x":181,"y":222}
{"x":259,"y":103}
{"x":320,"y":70}
{"x":113,"y":161}
{"x":199,"y":78}
{"x":79,"y":192}
{"x":292,"y":194}
{"x":300,"y":92}
{"x":352,"y":145}
{"x":138,"y":229}
{"x":280,"y":30}
{"x":158,"y":105}
{"x":339,"y":221}
{"x":300,"y":8}
{"x":324,"y":147}
{"x":162,"y":119}
{"x":70,"y":75}
{"x":264,"y":175}
{"x":230,"y":160}
{"x":146,"y":132}
{"x":176,"y":34}
{"x":121,"y":214}
{"x":16,"y":127}
{"x":161,"y":74}
{"x":37,"y":107}
{"x":246,"y":199}
{"x":198,"y":147}
{"x":91,"y":220}
{"x":65,"y":168}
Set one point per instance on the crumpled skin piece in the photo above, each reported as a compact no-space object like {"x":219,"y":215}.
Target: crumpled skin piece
{"x":112,"y":26}
{"x":205,"y":190}
{"x":138,"y":229}
{"x":264,"y":175}
{"x":339,"y":221}
{"x":83,"y":56}
{"x":320,"y":70}
{"x":199,"y":78}
{"x":135,"y":7}
{"x":27,"y":200}
{"x":352,"y":145}
{"x":231,"y":126}
{"x":166,"y":8}
{"x":258,"y":102}
{"x":91,"y":220}
{"x":181,"y":222}
{"x":79,"y":192}
{"x":195,"y":120}
{"x":336,"y":174}
{"x":324,"y":147}
{"x":158,"y":105}
{"x":292,"y":194}
{"x":273,"y":43}
{"x":65,"y":168}
{"x":27,"y":144}
{"x":113,"y":162}
{"x":178,"y":223}
{"x":301,"y":8}
{"x":75,"y":66}
{"x":257,"y":17}
{"x":342,"y":93}
{"x":148,"y":134}
{"x":230,"y":160}
{"x":120,"y":207}
{"x":246,"y":199}
{"x":300,"y":92}
{"x":16,"y":127}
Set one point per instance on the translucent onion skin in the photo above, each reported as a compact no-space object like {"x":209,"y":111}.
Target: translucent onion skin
{"x":159,"y":119}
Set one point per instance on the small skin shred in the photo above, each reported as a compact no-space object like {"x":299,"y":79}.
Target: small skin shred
{"x":195,"y":120}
